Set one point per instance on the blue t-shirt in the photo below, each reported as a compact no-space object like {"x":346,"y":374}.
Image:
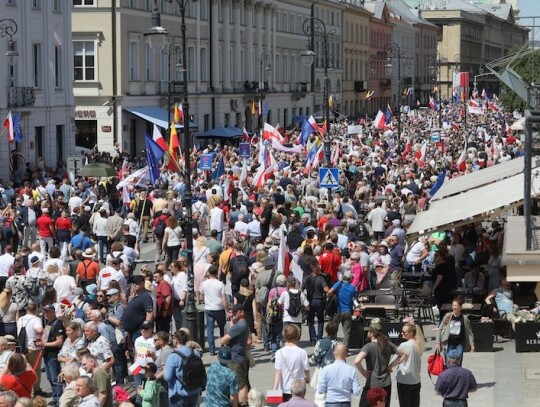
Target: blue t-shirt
{"x":81,"y":241}
{"x":346,"y":295}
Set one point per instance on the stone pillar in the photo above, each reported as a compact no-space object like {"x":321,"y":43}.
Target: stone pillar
{"x":226,"y":45}
{"x":215,"y":46}
{"x":259,"y":39}
{"x":237,"y":78}
{"x":248,"y":4}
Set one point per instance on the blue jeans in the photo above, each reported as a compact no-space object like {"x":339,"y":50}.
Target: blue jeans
{"x":102,"y":241}
{"x":120,"y":370}
{"x":276,"y":336}
{"x":52,"y":369}
{"x":178,"y":316}
{"x":459,"y":348}
{"x":211,"y":317}
{"x":316,"y":309}
{"x":455,"y":403}
{"x":264,"y":328}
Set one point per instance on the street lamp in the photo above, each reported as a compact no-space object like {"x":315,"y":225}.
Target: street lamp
{"x":480,"y":73}
{"x":312,"y":26}
{"x":266,"y":66}
{"x":190,"y":308}
{"x":176,"y":50}
{"x":9,"y":27}
{"x":393,"y":50}
{"x":434,"y":70}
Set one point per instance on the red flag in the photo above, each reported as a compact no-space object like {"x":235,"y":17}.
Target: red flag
{"x":380,"y":120}
{"x":8,"y":124}
{"x":174,"y":146}
{"x":178,"y":113}
{"x":246,"y":135}
{"x":461,"y":164}
{"x":406,"y":151}
{"x":270,"y":133}
{"x":158,"y":138}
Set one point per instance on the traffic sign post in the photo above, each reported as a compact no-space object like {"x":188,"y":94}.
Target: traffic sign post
{"x":328,"y":177}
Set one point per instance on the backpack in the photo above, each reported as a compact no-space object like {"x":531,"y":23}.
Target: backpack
{"x":273,"y":311}
{"x":159,"y":231}
{"x":193,"y":371}
{"x":22,"y":338}
{"x":239,"y":269}
{"x":295,"y":304}
{"x":262,"y":295}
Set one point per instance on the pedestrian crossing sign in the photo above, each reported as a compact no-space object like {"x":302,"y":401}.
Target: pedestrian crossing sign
{"x":328,"y":177}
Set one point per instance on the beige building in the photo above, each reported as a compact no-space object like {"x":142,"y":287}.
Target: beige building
{"x":121,"y":85}
{"x":472,"y":36}
{"x":356,"y":60}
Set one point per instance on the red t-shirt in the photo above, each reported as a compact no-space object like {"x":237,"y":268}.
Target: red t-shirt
{"x":21,"y":384}
{"x":63,"y":223}
{"x":164,"y":290}
{"x":44,"y":224}
{"x":330,"y":262}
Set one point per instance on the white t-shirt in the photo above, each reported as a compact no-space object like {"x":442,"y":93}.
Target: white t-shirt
{"x":213,"y":290}
{"x":292,"y":361}
{"x":6,"y":262}
{"x":64,"y":285}
{"x":34,"y":328}
{"x":74,"y":202}
{"x":415,"y":253}
{"x":179,"y":285}
{"x":216,"y":219}
{"x":173,"y":236}
{"x":105,"y":277}
{"x":409,"y":371}
{"x":284,"y":300}
{"x":143,"y":349}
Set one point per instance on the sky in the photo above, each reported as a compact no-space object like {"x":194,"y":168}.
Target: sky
{"x":530,"y":8}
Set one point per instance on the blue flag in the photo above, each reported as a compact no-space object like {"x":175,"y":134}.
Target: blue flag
{"x":17,"y":132}
{"x":438,"y":184}
{"x":220,"y":170}
{"x":307,"y":130}
{"x":153,"y":154}
{"x":388,"y":114}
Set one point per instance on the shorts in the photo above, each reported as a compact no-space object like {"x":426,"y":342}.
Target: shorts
{"x":240,"y":369}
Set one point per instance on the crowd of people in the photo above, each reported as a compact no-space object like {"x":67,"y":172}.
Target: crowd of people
{"x":270,"y":248}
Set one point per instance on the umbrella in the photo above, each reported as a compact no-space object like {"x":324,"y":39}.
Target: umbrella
{"x":518,"y":124}
{"x":97,"y":170}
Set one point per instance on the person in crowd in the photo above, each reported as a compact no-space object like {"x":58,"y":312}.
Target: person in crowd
{"x":215,"y":304}
{"x":376,"y":397}
{"x":149,"y":390}
{"x":456,"y":382}
{"x":86,"y":392}
{"x":323,"y":355}
{"x":222,"y":388}
{"x":98,"y":346}
{"x":408,"y":373}
{"x":70,"y":374}
{"x":140,"y":308}
{"x":346,"y":293}
{"x":18,"y":376}
{"x":100,"y":379}
{"x":338,"y":380}
{"x":444,"y":277}
{"x":293,"y":301}
{"x":291,"y":362}
{"x":298,"y":392}
{"x":74,"y":341}
{"x":503,"y":305}
{"x":376,"y":354}
{"x":316,"y":289}
{"x":455,"y":332}
{"x":34,"y":331}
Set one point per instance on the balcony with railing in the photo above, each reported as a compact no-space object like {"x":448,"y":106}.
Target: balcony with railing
{"x":21,"y":96}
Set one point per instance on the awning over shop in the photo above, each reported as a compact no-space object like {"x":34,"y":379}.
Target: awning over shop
{"x":473,"y":205}
{"x":479,"y":178}
{"x":156,"y":115}
{"x":521,"y":264}
{"x":228,"y":132}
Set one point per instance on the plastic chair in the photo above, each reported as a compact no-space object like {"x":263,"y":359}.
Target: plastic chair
{"x":385,"y":299}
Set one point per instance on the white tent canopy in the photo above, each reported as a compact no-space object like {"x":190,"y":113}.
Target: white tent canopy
{"x":479,"y":178}
{"x":472,"y":205}
{"x":518,"y":125}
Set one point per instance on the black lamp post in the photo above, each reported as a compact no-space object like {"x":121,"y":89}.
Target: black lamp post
{"x":266,"y":66}
{"x":394,"y":51}
{"x":312,"y":26}
{"x":9,"y":27}
{"x":434,"y":70}
{"x":190,"y":308}
{"x":176,"y":50}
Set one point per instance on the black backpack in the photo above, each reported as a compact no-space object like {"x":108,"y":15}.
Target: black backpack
{"x":239,"y":269}
{"x":295,"y":304}
{"x":193,"y":371}
{"x":159,"y":231}
{"x":22,"y":338}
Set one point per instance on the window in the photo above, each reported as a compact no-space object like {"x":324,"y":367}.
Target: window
{"x":191,"y":63}
{"x":39,"y":141}
{"x":83,"y":2}
{"x":149,"y":53}
{"x":57,"y":67}
{"x":134,"y":4}
{"x":204,"y":65}
{"x":227,"y":119}
{"x":133,"y":61}
{"x":57,"y":6}
{"x":149,"y":5}
{"x":37,"y":65}
{"x":36,"y":4}
{"x":84,"y":61}
{"x":85,"y":133}
{"x":206,"y":121}
{"x":11,"y":2}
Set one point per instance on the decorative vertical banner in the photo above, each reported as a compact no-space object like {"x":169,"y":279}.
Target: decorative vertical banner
{"x":206,"y":162}
{"x":245,"y":150}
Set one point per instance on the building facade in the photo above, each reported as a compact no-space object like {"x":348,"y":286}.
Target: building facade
{"x":39,"y":84}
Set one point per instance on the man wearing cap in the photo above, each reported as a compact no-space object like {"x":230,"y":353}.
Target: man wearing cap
{"x":88,"y":269}
{"x":346,"y":295}
{"x":222,"y":386}
{"x":455,"y":383}
{"x":239,"y":338}
{"x":114,"y":315}
{"x":52,"y":341}
{"x":145,"y":351}
{"x":140,"y":308}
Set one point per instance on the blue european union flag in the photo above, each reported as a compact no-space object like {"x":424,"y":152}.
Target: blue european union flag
{"x":220,"y":170}
{"x":153,"y":154}
{"x":307,"y":130}
{"x":17,"y":132}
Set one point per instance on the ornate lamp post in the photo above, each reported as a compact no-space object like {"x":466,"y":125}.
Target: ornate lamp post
{"x":434,"y":71}
{"x":9,"y":27}
{"x":266,"y":66}
{"x":394,"y":51}
{"x":190,"y":308}
{"x":312,"y":26}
